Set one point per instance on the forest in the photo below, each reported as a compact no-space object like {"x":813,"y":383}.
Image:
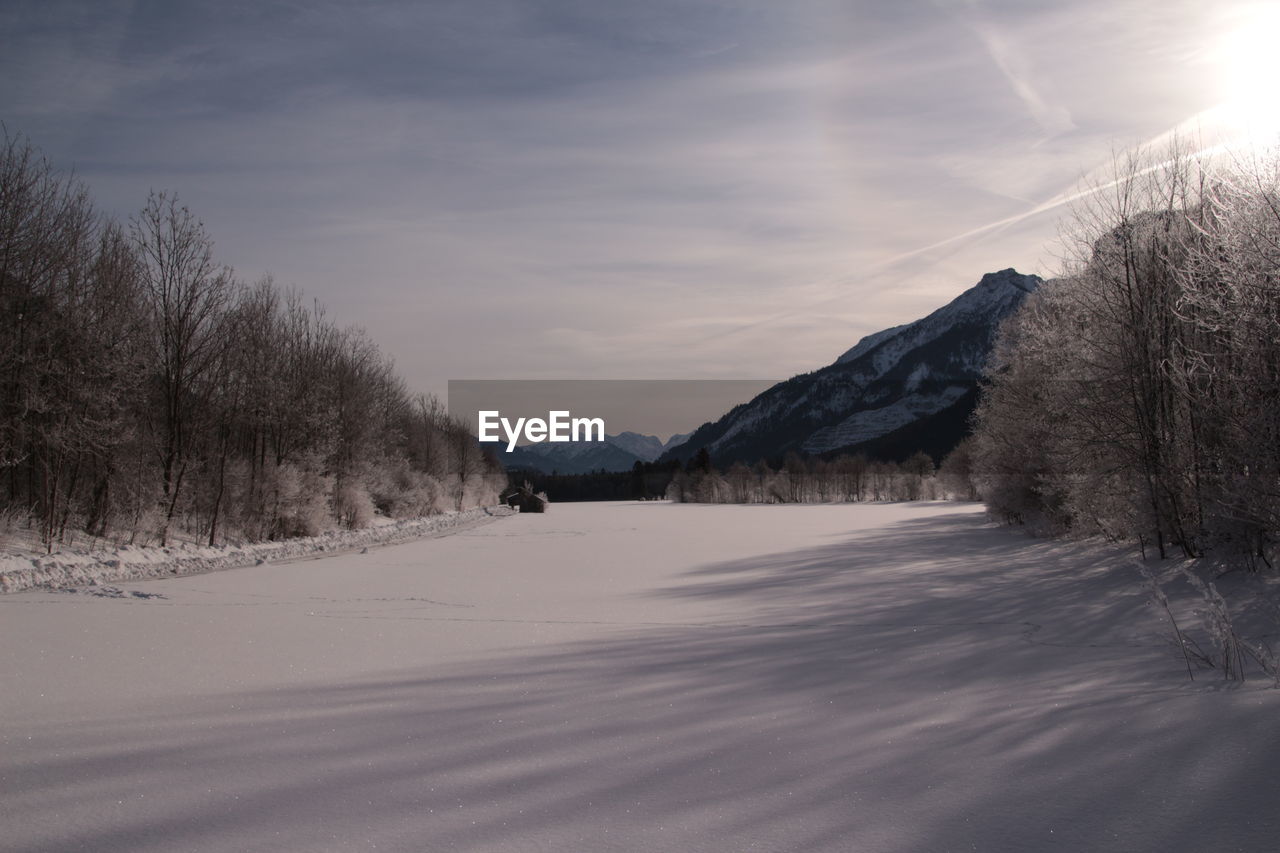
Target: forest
{"x":793,"y":478}
{"x":817,"y":479}
{"x":1138,"y":395}
{"x":147,"y":394}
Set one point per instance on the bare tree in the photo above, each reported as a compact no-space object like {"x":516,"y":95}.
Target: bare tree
{"x":187,"y":297}
{"x":143,"y":389}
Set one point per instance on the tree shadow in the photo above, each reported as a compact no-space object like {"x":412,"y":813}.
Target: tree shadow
{"x":935,"y":685}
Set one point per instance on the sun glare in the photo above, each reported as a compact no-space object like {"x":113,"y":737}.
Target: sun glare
{"x":1249,"y":62}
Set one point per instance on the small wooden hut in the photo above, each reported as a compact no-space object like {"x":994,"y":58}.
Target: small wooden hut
{"x":524,"y":500}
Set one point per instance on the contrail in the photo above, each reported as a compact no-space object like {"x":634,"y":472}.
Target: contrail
{"x":1053,"y":203}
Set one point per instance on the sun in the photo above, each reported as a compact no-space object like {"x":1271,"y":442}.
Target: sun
{"x":1249,"y":69}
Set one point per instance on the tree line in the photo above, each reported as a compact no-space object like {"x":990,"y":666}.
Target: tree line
{"x":147,"y":393}
{"x":645,"y":481}
{"x":791,"y":479}
{"x":1138,"y":396}
{"x":816,"y":479}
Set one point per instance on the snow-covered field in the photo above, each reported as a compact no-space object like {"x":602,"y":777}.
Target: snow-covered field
{"x":633,"y":677}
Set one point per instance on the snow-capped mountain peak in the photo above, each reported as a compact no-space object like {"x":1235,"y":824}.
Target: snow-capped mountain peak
{"x":616,"y":453}
{"x":888,"y":384}
{"x":645,"y":447}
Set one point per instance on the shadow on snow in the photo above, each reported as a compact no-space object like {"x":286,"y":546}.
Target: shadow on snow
{"x":937,"y":685}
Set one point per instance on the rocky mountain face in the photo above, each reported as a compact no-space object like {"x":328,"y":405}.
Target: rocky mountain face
{"x":898,"y":391}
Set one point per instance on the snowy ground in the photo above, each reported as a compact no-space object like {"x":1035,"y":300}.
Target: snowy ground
{"x":633,"y":677}
{"x":25,"y":568}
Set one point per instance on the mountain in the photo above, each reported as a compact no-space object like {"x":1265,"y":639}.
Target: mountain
{"x":568,"y":457}
{"x":646,"y":447}
{"x":616,"y":453}
{"x":675,"y":441}
{"x":908,"y":388}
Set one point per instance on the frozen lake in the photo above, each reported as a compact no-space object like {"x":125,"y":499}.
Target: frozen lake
{"x":633,"y":677}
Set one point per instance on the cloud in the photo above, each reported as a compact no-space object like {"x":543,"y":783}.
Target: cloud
{"x":679,"y":187}
{"x":1054,"y":119}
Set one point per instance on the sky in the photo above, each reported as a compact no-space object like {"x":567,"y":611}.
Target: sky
{"x":598,"y":189}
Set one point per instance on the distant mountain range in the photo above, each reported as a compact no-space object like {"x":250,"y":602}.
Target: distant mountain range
{"x":616,"y":453}
{"x":898,"y":391}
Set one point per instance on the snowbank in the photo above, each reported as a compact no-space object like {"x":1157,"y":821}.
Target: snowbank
{"x":76,"y":568}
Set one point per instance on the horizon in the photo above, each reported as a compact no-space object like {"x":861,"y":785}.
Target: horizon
{"x":660,"y":408}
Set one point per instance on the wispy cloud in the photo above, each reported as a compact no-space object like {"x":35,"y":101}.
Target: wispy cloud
{"x":675,"y":187}
{"x":1015,"y":65}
